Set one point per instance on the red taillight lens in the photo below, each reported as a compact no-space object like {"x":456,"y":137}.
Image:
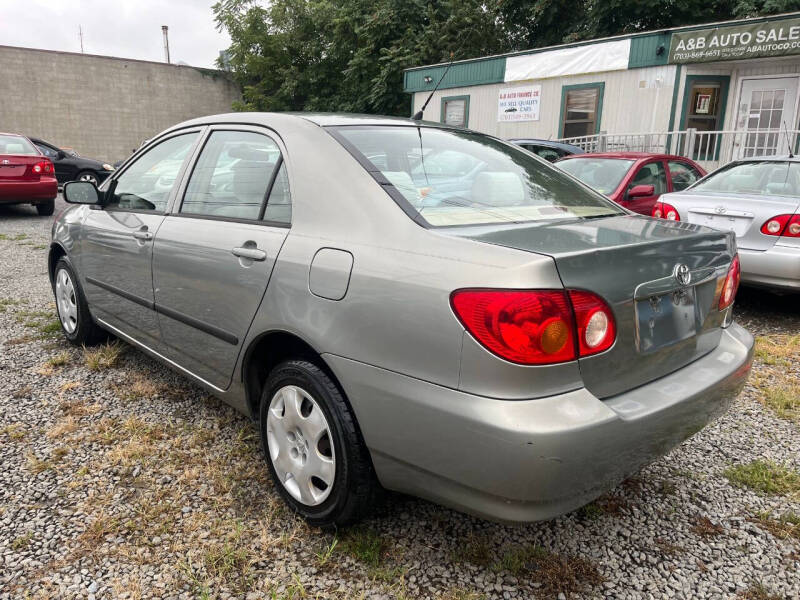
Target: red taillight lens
{"x":670,"y":212}
{"x":43,"y":168}
{"x":595,"y":321}
{"x":731,"y":284}
{"x":788,"y":225}
{"x":536,"y":327}
{"x":530,"y":327}
{"x":658,"y":210}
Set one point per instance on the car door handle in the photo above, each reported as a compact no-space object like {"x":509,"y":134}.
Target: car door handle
{"x":251,"y":253}
{"x":143,"y":234}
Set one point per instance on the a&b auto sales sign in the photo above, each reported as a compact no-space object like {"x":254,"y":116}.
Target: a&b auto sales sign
{"x":736,"y":42}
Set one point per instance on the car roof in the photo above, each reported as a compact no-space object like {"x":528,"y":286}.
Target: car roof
{"x":321,"y":119}
{"x":627,"y":155}
{"x":784,"y":158}
{"x":547,"y":143}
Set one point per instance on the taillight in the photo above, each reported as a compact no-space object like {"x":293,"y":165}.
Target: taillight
{"x":44,"y":167}
{"x":663,"y":210}
{"x":731,"y":284}
{"x":535,"y":327}
{"x":595,"y":322}
{"x":780,"y":225}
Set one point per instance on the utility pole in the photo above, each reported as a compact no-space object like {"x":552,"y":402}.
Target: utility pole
{"x":80,"y":34}
{"x":165,"y":31}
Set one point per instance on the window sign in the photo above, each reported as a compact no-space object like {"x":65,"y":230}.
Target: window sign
{"x":519,"y":103}
{"x":703,"y":104}
{"x":455,"y":111}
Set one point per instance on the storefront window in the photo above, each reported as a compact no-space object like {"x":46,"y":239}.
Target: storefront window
{"x":580,"y":110}
{"x":455,"y":111}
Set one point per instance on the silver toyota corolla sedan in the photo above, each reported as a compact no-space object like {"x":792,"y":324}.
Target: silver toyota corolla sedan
{"x":407,"y":305}
{"x":757,"y":199}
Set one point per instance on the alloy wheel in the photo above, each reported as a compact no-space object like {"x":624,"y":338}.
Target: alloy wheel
{"x":300,"y":445}
{"x":66,"y":301}
{"x":88,"y":177}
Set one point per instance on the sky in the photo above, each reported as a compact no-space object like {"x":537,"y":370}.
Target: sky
{"x":124,"y":28}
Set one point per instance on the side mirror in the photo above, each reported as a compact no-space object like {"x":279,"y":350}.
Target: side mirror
{"x":81,"y":192}
{"x":640,"y":191}
{"x":60,"y":155}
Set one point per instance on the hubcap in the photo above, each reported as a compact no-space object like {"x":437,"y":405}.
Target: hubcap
{"x":300,"y":445}
{"x":89,"y":177}
{"x":66,"y":302}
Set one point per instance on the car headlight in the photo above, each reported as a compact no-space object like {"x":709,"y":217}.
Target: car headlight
{"x":107,"y":167}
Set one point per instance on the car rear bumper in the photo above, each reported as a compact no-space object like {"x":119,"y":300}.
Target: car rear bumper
{"x":13,"y":192}
{"x":527,"y":460}
{"x":777,"y":267}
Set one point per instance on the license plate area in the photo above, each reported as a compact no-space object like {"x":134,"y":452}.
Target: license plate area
{"x":665,"y":319}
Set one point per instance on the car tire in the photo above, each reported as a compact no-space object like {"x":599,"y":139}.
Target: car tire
{"x":46,"y":209}
{"x":73,"y":313}
{"x":88,"y":176}
{"x":292,"y":448}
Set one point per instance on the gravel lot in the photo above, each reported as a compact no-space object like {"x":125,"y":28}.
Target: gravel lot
{"x":121,"y":479}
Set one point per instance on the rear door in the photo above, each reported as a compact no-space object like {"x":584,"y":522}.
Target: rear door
{"x":650,"y":173}
{"x":215,"y":252}
{"x":117,"y":239}
{"x":682,"y":174}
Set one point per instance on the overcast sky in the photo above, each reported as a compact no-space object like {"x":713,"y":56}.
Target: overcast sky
{"x":125,"y":28}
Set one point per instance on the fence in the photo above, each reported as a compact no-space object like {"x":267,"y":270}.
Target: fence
{"x":710,"y":149}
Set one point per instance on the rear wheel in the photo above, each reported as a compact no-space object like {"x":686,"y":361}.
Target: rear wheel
{"x":73,"y":312}
{"x":312,"y":446}
{"x":45,"y":209}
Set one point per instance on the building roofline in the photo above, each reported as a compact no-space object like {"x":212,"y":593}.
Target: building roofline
{"x":623,"y":36}
{"x":122,"y":58}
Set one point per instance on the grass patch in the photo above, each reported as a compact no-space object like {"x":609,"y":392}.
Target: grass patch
{"x":15,"y":432}
{"x":777,"y":349}
{"x":138,"y":387}
{"x":21,"y":542}
{"x":784,"y":527}
{"x":103,"y":357}
{"x":36,"y":465}
{"x":765,"y":477}
{"x":365,"y":545}
{"x":784,"y":400}
{"x":6,"y":302}
{"x":13,"y":238}
{"x":23,"y":392}
{"x":475,"y":550}
{"x":462,"y":594}
{"x":556,"y":574}
{"x":758,"y":591}
{"x":59,"y":360}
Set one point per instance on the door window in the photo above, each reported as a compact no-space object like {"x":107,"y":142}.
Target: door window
{"x":682,"y":174}
{"x":48,"y":151}
{"x":232,"y":176}
{"x":279,"y":204}
{"x":651,"y":174}
{"x":147,"y":183}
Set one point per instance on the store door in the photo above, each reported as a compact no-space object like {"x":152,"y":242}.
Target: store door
{"x":764,"y":106}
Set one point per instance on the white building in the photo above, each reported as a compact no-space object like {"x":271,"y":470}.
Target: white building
{"x":654,"y":91}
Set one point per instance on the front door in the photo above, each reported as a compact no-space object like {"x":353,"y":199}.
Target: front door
{"x":214,"y":254}
{"x":117,"y":243}
{"x":651,"y":173}
{"x":765,"y":104}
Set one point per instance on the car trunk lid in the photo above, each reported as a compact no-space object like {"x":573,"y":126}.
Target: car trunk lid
{"x":19,"y":167}
{"x":631,"y":262}
{"x":742,"y":214}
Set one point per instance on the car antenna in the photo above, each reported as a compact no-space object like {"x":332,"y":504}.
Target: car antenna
{"x":788,"y":143}
{"x":418,"y":115}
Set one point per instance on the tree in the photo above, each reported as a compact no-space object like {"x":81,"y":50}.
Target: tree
{"x":349,"y":55}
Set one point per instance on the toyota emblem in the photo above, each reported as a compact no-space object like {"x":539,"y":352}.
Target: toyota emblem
{"x":682,"y":274}
{"x":720,"y":210}
{"x":5,"y":161}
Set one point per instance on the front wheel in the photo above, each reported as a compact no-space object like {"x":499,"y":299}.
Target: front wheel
{"x":87,"y":176}
{"x":73,"y":312}
{"x":45,"y":209}
{"x":313,"y":448}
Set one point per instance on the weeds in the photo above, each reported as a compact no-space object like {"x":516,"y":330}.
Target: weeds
{"x":765,"y":477}
{"x":103,"y":357}
{"x":785,"y":526}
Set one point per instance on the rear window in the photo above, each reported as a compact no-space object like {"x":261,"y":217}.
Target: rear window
{"x":451,"y":177}
{"x":601,"y":174}
{"x":15,"y":144}
{"x":769,"y":178}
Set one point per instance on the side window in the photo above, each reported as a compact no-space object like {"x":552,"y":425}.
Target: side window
{"x":683,"y":175}
{"x":279,"y":204}
{"x":147,"y":183}
{"x":547,"y":153}
{"x":47,"y":151}
{"x":232,"y":175}
{"x":651,"y":174}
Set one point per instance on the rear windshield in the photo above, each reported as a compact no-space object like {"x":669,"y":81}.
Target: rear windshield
{"x":15,"y":144}
{"x":770,"y":178}
{"x":601,"y":174}
{"x":451,"y":177}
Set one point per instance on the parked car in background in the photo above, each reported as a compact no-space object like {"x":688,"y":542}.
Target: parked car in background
{"x":547,"y":149}
{"x":26,"y":175}
{"x":493,"y":336}
{"x":757,"y":199}
{"x":634,"y":180}
{"x":72,"y":167}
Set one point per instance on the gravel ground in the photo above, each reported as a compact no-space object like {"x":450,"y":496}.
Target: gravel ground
{"x":124,"y":480}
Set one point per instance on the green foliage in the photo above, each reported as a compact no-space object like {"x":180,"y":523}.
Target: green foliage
{"x":349,"y":56}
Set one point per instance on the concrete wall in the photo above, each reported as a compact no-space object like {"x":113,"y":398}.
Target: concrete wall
{"x":102,"y":107}
{"x":634,"y":100}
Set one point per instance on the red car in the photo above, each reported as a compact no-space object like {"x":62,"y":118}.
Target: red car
{"x":26,"y":175}
{"x":633,"y":179}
